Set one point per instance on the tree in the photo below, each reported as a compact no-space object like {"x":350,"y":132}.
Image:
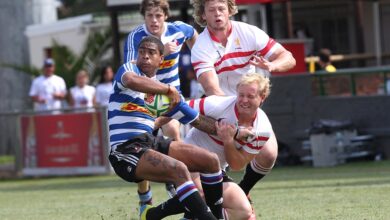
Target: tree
{"x":68,"y":63}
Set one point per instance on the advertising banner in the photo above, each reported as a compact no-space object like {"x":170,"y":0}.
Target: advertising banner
{"x":61,"y":144}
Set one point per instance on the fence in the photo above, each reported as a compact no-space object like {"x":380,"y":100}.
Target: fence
{"x":352,"y":82}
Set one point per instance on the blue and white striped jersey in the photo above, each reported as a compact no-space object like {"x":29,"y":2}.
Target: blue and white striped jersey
{"x":127,"y":115}
{"x":178,"y":32}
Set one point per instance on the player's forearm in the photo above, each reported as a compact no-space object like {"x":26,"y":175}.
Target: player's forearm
{"x":234,"y":157}
{"x":210,"y":83}
{"x":205,"y":124}
{"x":284,"y":62}
{"x":144,"y":84}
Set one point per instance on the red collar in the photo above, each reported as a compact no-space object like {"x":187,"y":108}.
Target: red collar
{"x":214,"y":38}
{"x":237,"y":114}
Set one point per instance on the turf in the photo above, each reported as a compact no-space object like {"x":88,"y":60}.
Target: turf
{"x":352,"y":191}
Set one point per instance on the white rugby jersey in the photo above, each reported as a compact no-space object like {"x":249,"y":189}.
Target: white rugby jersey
{"x":232,"y":61}
{"x":224,"y":107}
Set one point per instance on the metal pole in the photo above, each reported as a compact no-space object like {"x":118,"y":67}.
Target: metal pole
{"x":115,"y":38}
{"x":377,"y":33}
{"x":289,"y":20}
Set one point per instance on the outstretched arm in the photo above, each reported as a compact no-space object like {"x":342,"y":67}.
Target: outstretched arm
{"x":280,"y":61}
{"x":210,"y":125}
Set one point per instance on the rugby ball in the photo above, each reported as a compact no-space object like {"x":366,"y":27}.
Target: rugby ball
{"x":157,"y":104}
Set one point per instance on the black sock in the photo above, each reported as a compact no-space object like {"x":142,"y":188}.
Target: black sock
{"x":170,"y":207}
{"x":250,"y":179}
{"x":189,"y":196}
{"x":188,"y":215}
{"x":213,"y":188}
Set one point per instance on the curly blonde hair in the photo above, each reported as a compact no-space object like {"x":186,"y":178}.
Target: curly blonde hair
{"x":199,"y":8}
{"x":263,"y":83}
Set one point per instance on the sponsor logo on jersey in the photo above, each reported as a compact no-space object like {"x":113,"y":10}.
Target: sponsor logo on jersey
{"x":131,"y":107}
{"x":237,"y":43}
{"x":167,"y":64}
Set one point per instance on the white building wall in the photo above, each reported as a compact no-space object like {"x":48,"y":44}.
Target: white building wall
{"x":71,"y":32}
{"x":44,"y":11}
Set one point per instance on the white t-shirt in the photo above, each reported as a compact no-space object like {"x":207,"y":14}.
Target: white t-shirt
{"x":83,"y":97}
{"x":224,"y":107}
{"x":44,"y":87}
{"x":232,"y":61}
{"x":103,"y":92}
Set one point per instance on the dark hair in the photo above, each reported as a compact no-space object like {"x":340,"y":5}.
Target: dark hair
{"x":103,"y":72}
{"x":153,"y":40}
{"x":325,"y":55}
{"x":163,"y":4}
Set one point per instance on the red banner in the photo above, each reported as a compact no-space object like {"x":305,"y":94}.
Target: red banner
{"x":62,"y":141}
{"x":297,"y":48}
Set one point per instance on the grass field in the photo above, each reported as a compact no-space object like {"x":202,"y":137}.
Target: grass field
{"x":352,"y":191}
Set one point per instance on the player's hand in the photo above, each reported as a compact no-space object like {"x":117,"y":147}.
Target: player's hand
{"x":160,"y":121}
{"x":174,"y":97}
{"x":225,"y":131}
{"x":245,"y":133}
{"x":169,"y":48}
{"x":262,"y":63}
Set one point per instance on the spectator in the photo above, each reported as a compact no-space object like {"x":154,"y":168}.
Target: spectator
{"x":104,"y":88}
{"x":82,"y":94}
{"x":324,"y":61}
{"x":48,"y":90}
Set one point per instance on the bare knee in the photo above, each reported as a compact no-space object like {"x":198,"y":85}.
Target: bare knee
{"x":242,"y":213}
{"x":212,"y":163}
{"x":180,"y":173}
{"x":268,"y":154}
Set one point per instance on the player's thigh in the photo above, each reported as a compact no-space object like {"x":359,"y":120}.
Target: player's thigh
{"x":197,"y":159}
{"x":235,"y":200}
{"x":269,"y":152}
{"x":158,"y":167}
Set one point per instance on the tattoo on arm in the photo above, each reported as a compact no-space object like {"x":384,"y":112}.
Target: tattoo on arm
{"x":205,"y":124}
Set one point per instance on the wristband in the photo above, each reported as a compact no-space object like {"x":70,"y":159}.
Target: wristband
{"x":237,"y":131}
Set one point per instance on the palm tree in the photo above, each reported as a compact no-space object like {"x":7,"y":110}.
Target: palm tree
{"x":68,"y":63}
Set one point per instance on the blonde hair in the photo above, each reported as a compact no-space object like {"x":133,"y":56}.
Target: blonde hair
{"x":199,"y":9}
{"x":263,"y":83}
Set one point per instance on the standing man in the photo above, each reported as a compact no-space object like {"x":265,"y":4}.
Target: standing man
{"x":137,"y":155}
{"x":173,"y":36}
{"x":226,"y":50}
{"x":48,"y":90}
